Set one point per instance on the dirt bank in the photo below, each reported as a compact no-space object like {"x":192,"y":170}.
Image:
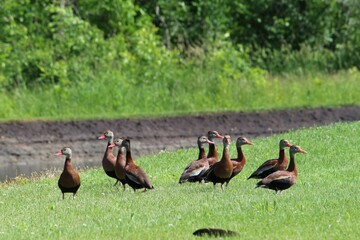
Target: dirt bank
{"x":27,"y":147}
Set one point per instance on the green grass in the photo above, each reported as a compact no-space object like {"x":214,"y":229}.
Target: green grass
{"x":182,"y":91}
{"x":323,"y":204}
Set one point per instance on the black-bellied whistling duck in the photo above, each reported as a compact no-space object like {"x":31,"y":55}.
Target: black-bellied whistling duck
{"x":135,"y":176}
{"x":221,"y":171}
{"x":69,"y":181}
{"x":273,"y":165}
{"x":194,"y":170}
{"x":281,"y":180}
{"x":120,"y":161}
{"x":212,"y":155}
{"x":239,"y":162}
{"x":109,"y":159}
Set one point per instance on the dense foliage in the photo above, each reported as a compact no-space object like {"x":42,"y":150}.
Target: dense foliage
{"x":58,"y":42}
{"x":162,"y":53}
{"x":324,"y":32}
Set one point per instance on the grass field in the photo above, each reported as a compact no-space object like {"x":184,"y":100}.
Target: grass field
{"x":323,"y":204}
{"x":184,"y":91}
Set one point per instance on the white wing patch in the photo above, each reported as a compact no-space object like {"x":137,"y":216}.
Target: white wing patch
{"x":281,"y":177}
{"x":264,"y":169}
{"x":197,"y":171}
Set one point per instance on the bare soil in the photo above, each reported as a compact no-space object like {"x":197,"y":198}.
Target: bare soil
{"x":27,"y":147}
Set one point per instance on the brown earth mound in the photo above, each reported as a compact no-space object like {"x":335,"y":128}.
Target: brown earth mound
{"x":27,"y":147}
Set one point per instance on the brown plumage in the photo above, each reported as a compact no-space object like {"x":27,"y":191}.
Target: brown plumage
{"x":239,"y":162}
{"x":194,"y":170}
{"x":213,"y":156}
{"x":281,"y":180}
{"x":69,"y":181}
{"x":109,"y":159}
{"x":120,"y":161}
{"x":221,"y":171}
{"x":135,"y":176}
{"x":273,"y":165}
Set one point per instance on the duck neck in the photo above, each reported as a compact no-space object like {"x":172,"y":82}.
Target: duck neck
{"x":129,"y":159}
{"x":121,"y":156}
{"x":110,"y":140}
{"x":226,"y":154}
{"x":202,"y":153}
{"x":109,"y":150}
{"x":241,"y":156}
{"x":282,"y":156}
{"x":212,"y":151}
{"x":292,"y":165}
{"x":68,"y":165}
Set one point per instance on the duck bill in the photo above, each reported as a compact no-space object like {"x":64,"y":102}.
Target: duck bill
{"x":302,"y":151}
{"x":102,"y":137}
{"x":111,"y":145}
{"x":250,"y":143}
{"x":59,"y":153}
{"x":218,"y":136}
{"x":209,"y":142}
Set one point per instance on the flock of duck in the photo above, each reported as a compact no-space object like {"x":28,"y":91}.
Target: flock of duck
{"x":275,"y":174}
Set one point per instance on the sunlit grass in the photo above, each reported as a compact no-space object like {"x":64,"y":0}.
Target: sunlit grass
{"x":185,"y":91}
{"x":323,"y":204}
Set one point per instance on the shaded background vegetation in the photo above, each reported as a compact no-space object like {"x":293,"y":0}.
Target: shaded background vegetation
{"x":154,"y":51}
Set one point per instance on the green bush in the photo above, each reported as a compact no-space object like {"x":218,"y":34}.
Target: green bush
{"x":151,"y":44}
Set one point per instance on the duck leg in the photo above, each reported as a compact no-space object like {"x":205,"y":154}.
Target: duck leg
{"x":116,"y":182}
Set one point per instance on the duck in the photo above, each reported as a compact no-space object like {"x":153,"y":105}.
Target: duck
{"x":120,"y":161}
{"x":283,"y":179}
{"x":194,"y":170}
{"x":109,"y":159}
{"x":273,"y":165}
{"x":213,"y":156}
{"x":69,"y":181}
{"x":239,"y":162}
{"x":135,"y":176}
{"x":221,"y":171}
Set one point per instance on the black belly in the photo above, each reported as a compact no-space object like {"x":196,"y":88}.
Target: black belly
{"x":133,"y":184}
{"x":280,"y":184}
{"x":215,"y":179}
{"x":68,"y":190}
{"x":111,"y":174}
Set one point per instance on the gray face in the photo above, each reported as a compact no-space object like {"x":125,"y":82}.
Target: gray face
{"x":296,"y":149}
{"x":202,"y":140}
{"x":284,"y":143}
{"x":213,"y":134}
{"x":241,"y":141}
{"x":226,"y":140}
{"x":66,"y":151}
{"x":118,"y":142}
{"x":109,"y":134}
